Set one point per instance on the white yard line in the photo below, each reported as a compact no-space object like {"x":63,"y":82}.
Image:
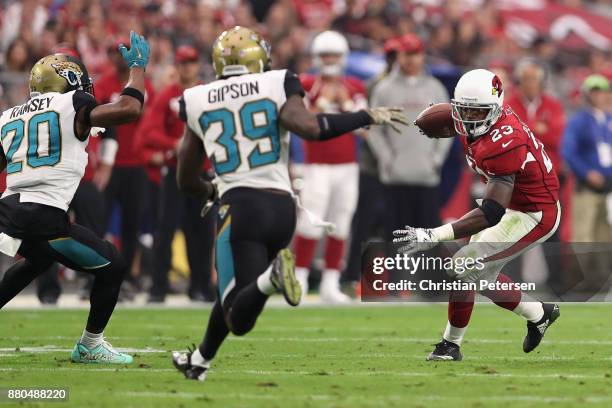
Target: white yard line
{"x":55,"y":349}
{"x":301,"y":373}
{"x":90,"y":368}
{"x":72,"y":301}
{"x":386,"y":397}
{"x":399,"y":339}
{"x":10,"y":352}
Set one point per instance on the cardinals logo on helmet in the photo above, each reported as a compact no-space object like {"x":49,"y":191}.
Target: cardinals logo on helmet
{"x":497,"y":86}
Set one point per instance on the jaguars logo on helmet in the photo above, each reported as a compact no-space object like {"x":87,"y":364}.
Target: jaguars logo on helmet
{"x":240,"y":51}
{"x":59,"y":73}
{"x":70,"y":71}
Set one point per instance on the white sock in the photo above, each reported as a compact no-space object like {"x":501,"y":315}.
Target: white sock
{"x":454,"y":334}
{"x":530,"y":310}
{"x":301,"y":273}
{"x":198,"y":360}
{"x":331,"y":279}
{"x":91,"y":340}
{"x":264,"y":283}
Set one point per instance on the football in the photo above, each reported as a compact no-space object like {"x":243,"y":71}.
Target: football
{"x":437,"y":121}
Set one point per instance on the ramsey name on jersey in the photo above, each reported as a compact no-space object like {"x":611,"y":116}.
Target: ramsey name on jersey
{"x":510,"y":148}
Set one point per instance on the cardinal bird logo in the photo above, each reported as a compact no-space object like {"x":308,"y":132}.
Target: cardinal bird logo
{"x":497,"y":86}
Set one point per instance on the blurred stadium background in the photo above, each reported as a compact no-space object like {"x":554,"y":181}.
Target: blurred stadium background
{"x":567,"y":39}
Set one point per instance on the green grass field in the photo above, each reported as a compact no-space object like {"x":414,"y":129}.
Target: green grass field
{"x":312,"y":357}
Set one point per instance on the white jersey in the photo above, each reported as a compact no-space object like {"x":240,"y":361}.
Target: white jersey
{"x":45,"y":159}
{"x":238,"y":121}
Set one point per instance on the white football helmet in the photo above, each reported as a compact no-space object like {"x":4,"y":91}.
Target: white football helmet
{"x":329,"y":42}
{"x":478,"y":89}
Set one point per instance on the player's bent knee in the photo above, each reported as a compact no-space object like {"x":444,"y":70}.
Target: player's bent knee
{"x":237,"y":326}
{"x":241,"y":329}
{"x":117,"y":269}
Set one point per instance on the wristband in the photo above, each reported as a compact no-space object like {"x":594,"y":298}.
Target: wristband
{"x":444,"y":232}
{"x":134,"y":93}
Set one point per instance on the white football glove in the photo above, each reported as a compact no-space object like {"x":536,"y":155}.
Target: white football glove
{"x":388,"y":116}
{"x":415,"y":239}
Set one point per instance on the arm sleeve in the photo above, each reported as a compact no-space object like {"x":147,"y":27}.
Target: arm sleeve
{"x":570,"y":148}
{"x":292,"y":85}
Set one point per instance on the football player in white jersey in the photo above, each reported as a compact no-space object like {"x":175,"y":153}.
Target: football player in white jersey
{"x":242,"y":122}
{"x":43,"y":152}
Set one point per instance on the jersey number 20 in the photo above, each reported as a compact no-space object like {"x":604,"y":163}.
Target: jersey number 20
{"x":33,"y":159}
{"x":246,"y":116}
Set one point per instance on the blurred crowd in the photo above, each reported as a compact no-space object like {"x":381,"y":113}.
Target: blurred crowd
{"x":544,"y":77}
{"x":454,"y":32}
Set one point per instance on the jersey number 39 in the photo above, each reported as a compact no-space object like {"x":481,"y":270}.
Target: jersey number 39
{"x":266,"y":129}
{"x":17,"y":128}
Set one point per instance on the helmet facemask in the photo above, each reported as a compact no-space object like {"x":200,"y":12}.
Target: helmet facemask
{"x":474,"y":119}
{"x":326,"y":45}
{"x":327,"y":68}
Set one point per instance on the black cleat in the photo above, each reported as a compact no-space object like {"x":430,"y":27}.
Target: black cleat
{"x":182,"y":362}
{"x":535,"y":331}
{"x":445,"y":351}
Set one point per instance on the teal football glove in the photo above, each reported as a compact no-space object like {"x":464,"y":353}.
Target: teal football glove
{"x":138,"y":54}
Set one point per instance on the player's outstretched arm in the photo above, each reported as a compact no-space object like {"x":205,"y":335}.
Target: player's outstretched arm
{"x":497,"y":197}
{"x":324,"y":126}
{"x":128,"y":107}
{"x":190,"y":160}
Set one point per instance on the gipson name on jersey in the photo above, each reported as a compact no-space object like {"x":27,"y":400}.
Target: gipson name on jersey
{"x":233,"y":91}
